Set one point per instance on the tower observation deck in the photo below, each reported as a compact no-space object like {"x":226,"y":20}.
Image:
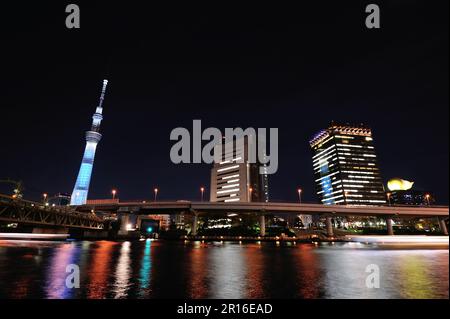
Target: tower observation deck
{"x":81,"y":189}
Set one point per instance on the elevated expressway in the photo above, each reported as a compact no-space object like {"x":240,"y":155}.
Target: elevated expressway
{"x":261,"y":208}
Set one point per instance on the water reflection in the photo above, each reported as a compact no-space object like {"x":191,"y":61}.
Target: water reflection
{"x":345,"y":274}
{"x":63,"y":256}
{"x":159,"y":269}
{"x":308,"y":270}
{"x":99,"y":270}
{"x":123,"y":272}
{"x":403,"y":273}
{"x":197,"y":284}
{"x":417,"y":280}
{"x":145,"y":272}
{"x":254,"y":261}
{"x":227,"y":271}
{"x":24,"y":283}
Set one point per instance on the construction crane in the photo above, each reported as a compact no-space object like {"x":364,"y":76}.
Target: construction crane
{"x":18,"y":190}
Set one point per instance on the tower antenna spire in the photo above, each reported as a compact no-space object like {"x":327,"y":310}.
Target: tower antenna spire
{"x":102,"y":96}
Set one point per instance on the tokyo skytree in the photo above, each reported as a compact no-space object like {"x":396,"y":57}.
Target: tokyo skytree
{"x":81,"y":189}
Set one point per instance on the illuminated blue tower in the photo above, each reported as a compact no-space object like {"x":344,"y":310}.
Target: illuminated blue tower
{"x":81,"y":189}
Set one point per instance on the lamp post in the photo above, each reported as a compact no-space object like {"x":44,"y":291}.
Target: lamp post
{"x":45,"y":196}
{"x":114,"y":192}
{"x":299,"y":191}
{"x":250,"y":190}
{"x":389,"y":198}
{"x":156,"y":193}
{"x":202,"y":191}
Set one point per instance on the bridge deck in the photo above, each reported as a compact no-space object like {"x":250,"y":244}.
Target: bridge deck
{"x":255,"y":207}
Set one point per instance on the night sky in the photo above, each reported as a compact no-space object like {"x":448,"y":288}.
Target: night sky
{"x":294,"y":68}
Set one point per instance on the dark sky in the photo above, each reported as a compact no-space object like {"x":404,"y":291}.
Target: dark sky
{"x":294,"y":68}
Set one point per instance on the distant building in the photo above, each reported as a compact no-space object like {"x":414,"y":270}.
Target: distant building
{"x":178,"y":221}
{"x":401,"y":193}
{"x":162,"y":221}
{"x":411,"y":197}
{"x":60,"y":199}
{"x":235,"y":179}
{"x":345,"y":166}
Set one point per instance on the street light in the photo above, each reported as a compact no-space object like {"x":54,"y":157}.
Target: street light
{"x":45,"y":195}
{"x":251,"y":192}
{"x":114,"y":192}
{"x":156,"y":193}
{"x":299,"y":191}
{"x":202,"y":190}
{"x":389,"y":198}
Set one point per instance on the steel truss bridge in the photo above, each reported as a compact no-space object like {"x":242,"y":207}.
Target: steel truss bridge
{"x":32,"y":213}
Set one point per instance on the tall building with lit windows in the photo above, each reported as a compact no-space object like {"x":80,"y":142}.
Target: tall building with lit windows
{"x":235,"y":179}
{"x":345,"y":166}
{"x":81,"y":189}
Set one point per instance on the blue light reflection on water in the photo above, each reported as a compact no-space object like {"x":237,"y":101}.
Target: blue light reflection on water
{"x":146,"y":267}
{"x":63,"y":256}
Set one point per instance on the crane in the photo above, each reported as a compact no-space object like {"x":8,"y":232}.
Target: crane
{"x":18,"y":190}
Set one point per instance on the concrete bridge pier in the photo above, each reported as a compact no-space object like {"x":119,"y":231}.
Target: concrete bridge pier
{"x":329,"y":224}
{"x":194,"y":226}
{"x":389,"y":226}
{"x":262,"y":225}
{"x":443,"y":225}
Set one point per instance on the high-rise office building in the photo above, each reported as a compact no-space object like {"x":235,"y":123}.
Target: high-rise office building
{"x":235,"y":179}
{"x":345,"y":166}
{"x":81,"y":189}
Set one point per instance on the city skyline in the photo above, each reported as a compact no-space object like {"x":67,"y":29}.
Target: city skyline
{"x":162,"y":79}
{"x":210,"y":187}
{"x":215,"y":161}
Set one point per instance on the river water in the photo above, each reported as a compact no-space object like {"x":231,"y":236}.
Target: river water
{"x":163,"y":269}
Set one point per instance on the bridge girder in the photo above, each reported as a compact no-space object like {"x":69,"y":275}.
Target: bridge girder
{"x":203,"y":208}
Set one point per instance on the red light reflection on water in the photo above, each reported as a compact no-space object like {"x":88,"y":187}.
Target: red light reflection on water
{"x":254,"y":261}
{"x":98,"y":274}
{"x":198,"y":287}
{"x":308,"y":271}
